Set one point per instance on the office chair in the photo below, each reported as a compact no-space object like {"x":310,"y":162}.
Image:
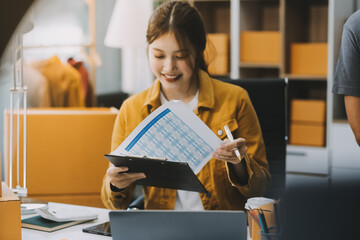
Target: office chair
{"x":111,"y":99}
{"x":268,"y":97}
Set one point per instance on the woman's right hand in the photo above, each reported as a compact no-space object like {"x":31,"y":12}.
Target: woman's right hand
{"x":120,"y":178}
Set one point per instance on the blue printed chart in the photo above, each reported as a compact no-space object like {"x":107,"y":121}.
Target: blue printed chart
{"x":173,"y":132}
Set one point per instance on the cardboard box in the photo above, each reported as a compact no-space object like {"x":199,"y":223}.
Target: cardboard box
{"x":260,"y":46}
{"x":307,"y":125}
{"x":310,"y":134}
{"x":65,"y":150}
{"x":309,"y":59}
{"x":219,"y":66}
{"x":10,"y":215}
{"x":217,"y":53}
{"x":308,"y":111}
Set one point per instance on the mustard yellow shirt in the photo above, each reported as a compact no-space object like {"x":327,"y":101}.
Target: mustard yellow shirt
{"x":219,"y":104}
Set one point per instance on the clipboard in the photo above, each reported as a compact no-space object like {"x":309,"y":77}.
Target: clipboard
{"x":160,"y":172}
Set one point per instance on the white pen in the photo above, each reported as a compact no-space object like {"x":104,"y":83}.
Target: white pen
{"x":231,"y":138}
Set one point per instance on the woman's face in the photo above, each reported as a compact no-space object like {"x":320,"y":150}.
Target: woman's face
{"x":170,"y":64}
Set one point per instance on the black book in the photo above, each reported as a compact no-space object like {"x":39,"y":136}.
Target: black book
{"x":42,"y":224}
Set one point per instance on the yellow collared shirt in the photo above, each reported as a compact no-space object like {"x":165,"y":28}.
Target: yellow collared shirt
{"x":219,"y":104}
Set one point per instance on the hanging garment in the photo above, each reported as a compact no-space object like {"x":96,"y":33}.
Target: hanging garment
{"x":38,"y":90}
{"x":87,"y":89}
{"x":64,"y":82}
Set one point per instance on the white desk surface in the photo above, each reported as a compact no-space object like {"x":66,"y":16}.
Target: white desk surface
{"x":70,"y":233}
{"x":73,"y":232}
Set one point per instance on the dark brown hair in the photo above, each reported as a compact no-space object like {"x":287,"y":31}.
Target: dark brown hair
{"x":186,"y":23}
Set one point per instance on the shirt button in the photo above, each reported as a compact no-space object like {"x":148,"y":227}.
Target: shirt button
{"x":220,"y":132}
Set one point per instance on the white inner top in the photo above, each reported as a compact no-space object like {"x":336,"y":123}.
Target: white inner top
{"x":187,"y":200}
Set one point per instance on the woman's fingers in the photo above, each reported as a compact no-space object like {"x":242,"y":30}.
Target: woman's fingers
{"x":120,"y":178}
{"x":226,"y":151}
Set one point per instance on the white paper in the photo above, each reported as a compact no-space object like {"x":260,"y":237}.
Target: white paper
{"x":173,"y":132}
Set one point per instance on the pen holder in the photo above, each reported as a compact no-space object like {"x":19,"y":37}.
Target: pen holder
{"x":254,"y":228}
{"x":273,"y":234}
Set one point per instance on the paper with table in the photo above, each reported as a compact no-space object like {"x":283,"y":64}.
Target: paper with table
{"x":173,"y":132}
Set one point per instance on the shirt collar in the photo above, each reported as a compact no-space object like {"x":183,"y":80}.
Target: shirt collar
{"x":206,"y":92}
{"x":152,"y":99}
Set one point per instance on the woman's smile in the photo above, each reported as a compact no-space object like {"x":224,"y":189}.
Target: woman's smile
{"x":171,"y":77}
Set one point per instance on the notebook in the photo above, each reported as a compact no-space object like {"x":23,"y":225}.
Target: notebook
{"x":42,"y":224}
{"x":178,"y":225}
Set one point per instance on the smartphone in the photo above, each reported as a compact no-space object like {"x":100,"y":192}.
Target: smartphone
{"x":100,"y":229}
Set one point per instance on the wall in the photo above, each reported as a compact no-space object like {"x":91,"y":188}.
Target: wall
{"x":108,"y":76}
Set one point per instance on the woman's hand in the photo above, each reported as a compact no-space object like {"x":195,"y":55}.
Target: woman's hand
{"x":226,"y":153}
{"x":120,"y":178}
{"x":226,"y":150}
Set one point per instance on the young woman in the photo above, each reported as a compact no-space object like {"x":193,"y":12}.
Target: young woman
{"x":177,"y":39}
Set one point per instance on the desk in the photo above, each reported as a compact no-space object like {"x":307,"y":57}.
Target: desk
{"x":70,"y":233}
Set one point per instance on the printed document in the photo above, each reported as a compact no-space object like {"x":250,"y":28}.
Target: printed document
{"x":173,"y":132}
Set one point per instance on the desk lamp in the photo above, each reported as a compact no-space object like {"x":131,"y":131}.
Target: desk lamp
{"x":127,"y":30}
{"x":18,"y":97}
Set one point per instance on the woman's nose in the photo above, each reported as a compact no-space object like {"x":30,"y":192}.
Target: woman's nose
{"x":169,"y":64}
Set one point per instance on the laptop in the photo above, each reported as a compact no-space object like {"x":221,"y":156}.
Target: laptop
{"x":178,"y":225}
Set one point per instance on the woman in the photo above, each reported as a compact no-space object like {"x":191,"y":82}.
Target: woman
{"x":177,"y":39}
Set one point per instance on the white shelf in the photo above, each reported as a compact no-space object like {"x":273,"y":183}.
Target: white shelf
{"x":259,"y":65}
{"x":313,"y":160}
{"x":305,"y":77}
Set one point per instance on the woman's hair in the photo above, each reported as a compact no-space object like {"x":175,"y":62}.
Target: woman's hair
{"x":186,"y":23}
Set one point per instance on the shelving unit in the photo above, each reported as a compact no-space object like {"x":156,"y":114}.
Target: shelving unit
{"x":308,"y":22}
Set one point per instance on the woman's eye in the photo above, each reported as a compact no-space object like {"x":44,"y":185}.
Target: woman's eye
{"x":182,"y":56}
{"x":159,"y":56}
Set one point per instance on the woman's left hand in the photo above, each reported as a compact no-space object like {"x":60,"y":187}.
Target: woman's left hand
{"x":226,"y":150}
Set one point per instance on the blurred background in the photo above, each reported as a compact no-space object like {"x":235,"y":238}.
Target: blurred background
{"x":92,"y":53}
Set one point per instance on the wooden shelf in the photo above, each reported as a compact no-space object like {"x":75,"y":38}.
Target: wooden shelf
{"x":259,"y":65}
{"x":291,"y":148}
{"x":305,"y":77}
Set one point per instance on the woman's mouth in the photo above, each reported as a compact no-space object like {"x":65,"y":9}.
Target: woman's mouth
{"x":171,"y":77}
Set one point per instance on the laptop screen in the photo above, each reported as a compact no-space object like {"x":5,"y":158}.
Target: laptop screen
{"x":174,"y":225}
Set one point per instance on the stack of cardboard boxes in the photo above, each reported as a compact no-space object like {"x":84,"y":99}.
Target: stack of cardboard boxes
{"x":307,"y":122}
